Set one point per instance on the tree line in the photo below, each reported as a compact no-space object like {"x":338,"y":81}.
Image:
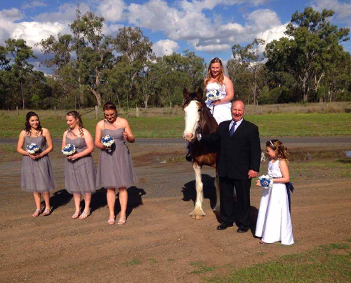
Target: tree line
{"x":89,"y":68}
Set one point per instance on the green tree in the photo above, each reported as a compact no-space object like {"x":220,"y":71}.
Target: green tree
{"x":80,"y":60}
{"x":309,"y":49}
{"x":246,"y":70}
{"x":21,"y":68}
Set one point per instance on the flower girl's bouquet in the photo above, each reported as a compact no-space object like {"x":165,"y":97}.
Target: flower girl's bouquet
{"x":69,"y":149}
{"x":32,"y":148}
{"x":107,"y":141}
{"x":266,"y":182}
{"x":213,"y":94}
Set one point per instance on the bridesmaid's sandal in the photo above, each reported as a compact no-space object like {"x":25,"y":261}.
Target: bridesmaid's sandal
{"x":47,"y":211}
{"x":85,"y":214}
{"x":36,"y":213}
{"x":111,"y":221}
{"x":75,"y":215}
{"x":121,"y":221}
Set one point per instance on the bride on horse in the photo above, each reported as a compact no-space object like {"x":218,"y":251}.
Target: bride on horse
{"x":198,"y":119}
{"x":219,"y":91}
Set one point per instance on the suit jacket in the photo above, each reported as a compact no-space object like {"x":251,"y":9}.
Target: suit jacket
{"x":238,"y":154}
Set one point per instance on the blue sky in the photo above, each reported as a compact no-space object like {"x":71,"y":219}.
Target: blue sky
{"x":208,"y":27}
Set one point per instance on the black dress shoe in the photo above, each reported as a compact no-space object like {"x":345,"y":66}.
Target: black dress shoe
{"x":243,"y":229}
{"x":188,"y":157}
{"x":224,"y":226}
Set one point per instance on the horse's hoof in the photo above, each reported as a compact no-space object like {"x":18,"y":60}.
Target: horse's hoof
{"x":199,"y":217}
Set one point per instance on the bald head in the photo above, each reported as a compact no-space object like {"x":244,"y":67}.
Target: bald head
{"x":238,"y":110}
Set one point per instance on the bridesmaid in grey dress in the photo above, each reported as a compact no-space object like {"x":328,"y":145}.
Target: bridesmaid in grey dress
{"x":115,"y":164}
{"x":80,"y":172}
{"x":37,"y":175}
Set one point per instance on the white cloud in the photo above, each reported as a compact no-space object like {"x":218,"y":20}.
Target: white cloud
{"x":269,"y":35}
{"x":33,"y":4}
{"x":111,"y":10}
{"x":165,"y":47}
{"x":66,"y":13}
{"x":188,"y":22}
{"x":213,"y":47}
{"x":342,"y":9}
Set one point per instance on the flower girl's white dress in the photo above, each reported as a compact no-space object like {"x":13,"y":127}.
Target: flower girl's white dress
{"x":274,"y":220}
{"x":221,"y":112}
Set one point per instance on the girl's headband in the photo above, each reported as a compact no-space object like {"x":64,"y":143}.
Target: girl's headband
{"x":271,"y":143}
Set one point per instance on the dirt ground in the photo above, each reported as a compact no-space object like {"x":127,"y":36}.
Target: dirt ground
{"x":159,"y":242}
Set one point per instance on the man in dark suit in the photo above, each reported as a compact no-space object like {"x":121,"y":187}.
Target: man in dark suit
{"x":238,"y":163}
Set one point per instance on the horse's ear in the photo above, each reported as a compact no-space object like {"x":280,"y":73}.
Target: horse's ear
{"x":185,"y":93}
{"x":199,"y":93}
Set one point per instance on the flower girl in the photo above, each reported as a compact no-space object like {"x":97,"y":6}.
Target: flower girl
{"x":274,"y":220}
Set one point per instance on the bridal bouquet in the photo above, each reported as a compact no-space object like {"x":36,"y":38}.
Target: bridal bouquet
{"x":213,"y":95}
{"x":32,"y":148}
{"x":266,"y":182}
{"x":69,"y":149}
{"x":107,"y":141}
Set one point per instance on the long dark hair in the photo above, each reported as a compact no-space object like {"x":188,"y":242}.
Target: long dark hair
{"x":27,"y":126}
{"x":77,"y":116}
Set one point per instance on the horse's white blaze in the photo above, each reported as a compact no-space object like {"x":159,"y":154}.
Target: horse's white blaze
{"x":191,"y":119}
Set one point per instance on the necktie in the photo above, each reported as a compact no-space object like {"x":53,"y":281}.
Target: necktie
{"x":231,"y":131}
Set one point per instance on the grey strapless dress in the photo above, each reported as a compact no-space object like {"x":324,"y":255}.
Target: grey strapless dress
{"x":37,"y":175}
{"x":115,"y":167}
{"x":80,"y":174}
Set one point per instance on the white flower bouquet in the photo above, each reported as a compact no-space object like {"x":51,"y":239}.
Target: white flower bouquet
{"x":107,"y":141}
{"x":213,"y":95}
{"x":266,"y":182}
{"x":32,"y":148}
{"x":69,"y":149}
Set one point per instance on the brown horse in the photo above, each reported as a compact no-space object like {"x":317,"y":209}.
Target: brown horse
{"x":198,"y":119}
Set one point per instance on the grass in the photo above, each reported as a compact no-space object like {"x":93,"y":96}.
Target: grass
{"x":330,"y":263}
{"x":134,"y":261}
{"x":201,"y":267}
{"x":171,"y":126}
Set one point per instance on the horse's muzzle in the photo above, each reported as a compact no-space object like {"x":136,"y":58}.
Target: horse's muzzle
{"x":188,"y":136}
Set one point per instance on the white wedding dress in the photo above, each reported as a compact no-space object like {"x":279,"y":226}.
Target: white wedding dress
{"x":221,"y":112}
{"x":274,"y":220}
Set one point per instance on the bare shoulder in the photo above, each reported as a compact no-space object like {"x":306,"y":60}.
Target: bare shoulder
{"x":100,"y":124}
{"x":227,"y":80}
{"x":45,"y":131}
{"x":283,"y":162}
{"x":123,"y":121}
{"x":22,"y":133}
{"x":86,"y":132}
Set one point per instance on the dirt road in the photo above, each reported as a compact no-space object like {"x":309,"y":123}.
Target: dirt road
{"x":160,"y":242}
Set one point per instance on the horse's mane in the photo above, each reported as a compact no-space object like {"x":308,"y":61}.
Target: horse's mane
{"x":207,"y":122}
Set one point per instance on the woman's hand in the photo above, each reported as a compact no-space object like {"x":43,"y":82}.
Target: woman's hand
{"x":217,"y":102}
{"x":72,"y":157}
{"x":258,"y":183}
{"x":125,"y":135}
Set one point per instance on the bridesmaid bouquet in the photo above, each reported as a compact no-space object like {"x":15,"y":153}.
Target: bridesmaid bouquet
{"x":266,"y":182}
{"x":69,"y":149}
{"x":107,"y":141}
{"x":32,"y":148}
{"x":213,"y":95}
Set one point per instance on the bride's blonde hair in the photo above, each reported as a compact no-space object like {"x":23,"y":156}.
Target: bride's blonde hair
{"x":220,"y":77}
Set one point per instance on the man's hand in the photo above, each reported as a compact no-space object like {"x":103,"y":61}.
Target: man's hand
{"x":252,"y":174}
